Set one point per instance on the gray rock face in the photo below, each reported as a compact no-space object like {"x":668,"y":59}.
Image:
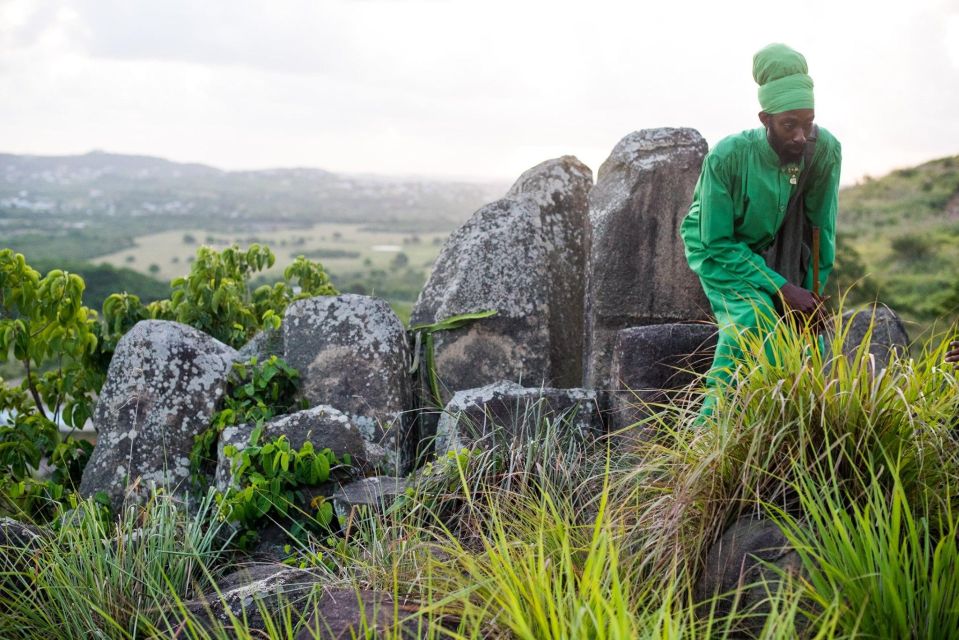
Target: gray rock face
{"x":252,"y":590}
{"x":521,"y":256}
{"x":377,"y":492}
{"x":888,"y":334}
{"x":324,"y":426}
{"x":344,"y":614}
{"x":560,"y":189}
{"x":162,"y":388}
{"x":352,"y":353}
{"x":637,"y":272}
{"x":748,"y":552}
{"x":482,"y":417}
{"x":648,"y":362}
{"x":266,"y":343}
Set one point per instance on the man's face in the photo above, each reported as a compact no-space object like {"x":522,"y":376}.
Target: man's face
{"x":787,"y":132}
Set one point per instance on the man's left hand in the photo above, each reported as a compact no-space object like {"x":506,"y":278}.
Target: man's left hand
{"x":953,"y":354}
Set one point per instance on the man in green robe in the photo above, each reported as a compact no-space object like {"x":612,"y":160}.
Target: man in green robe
{"x":740,"y":203}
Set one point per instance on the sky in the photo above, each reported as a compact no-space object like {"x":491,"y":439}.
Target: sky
{"x":478,"y":89}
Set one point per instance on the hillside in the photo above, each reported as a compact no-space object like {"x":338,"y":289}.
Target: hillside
{"x":81,"y":207}
{"x":905,"y":229}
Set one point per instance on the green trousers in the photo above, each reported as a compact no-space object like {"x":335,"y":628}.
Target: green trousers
{"x":741,"y":313}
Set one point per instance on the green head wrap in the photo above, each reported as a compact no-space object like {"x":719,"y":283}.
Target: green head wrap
{"x":782,"y":76}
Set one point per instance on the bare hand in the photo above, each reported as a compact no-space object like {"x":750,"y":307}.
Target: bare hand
{"x":953,"y":354}
{"x":798,"y":299}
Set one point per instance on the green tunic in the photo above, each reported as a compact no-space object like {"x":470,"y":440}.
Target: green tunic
{"x":738,"y":206}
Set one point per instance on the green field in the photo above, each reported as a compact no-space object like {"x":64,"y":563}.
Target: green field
{"x":364,"y":259}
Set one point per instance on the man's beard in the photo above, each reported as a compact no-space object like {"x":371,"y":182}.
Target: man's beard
{"x":786,"y":151}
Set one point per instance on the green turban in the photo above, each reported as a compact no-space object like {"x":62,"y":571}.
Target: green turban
{"x":782,"y":76}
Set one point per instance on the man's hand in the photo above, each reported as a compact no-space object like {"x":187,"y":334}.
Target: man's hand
{"x":798,"y":299}
{"x":953,"y":354}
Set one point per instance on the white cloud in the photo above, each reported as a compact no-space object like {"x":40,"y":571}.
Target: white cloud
{"x":455,"y":86}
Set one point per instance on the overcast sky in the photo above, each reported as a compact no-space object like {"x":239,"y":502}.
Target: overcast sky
{"x":460,"y":88}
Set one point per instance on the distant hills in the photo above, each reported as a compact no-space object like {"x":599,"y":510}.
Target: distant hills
{"x":124,"y":196}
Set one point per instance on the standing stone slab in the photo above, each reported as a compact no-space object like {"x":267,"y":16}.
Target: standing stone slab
{"x":522,"y":257}
{"x":480,"y":417}
{"x":560,"y":190}
{"x":637,"y":272}
{"x":162,"y":388}
{"x":324,"y":426}
{"x":649,"y":362}
{"x":352,"y":353}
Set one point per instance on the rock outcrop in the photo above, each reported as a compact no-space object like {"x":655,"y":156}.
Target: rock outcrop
{"x":162,"y":388}
{"x":352,"y":354}
{"x":521,"y":257}
{"x":637,"y":272}
{"x":504,"y":411}
{"x":649,"y":362}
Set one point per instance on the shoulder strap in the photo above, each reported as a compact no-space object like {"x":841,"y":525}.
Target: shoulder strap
{"x":790,"y":252}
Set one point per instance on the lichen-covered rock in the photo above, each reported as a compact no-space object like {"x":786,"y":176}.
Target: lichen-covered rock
{"x":888,"y":333}
{"x":352,"y":353}
{"x":324,"y":426}
{"x":251,"y":591}
{"x":648,"y":363}
{"x":162,"y":388}
{"x":560,"y":189}
{"x":377,"y":492}
{"x":344,"y":614}
{"x":749,"y":553}
{"x":264,"y":344}
{"x":522,"y":257}
{"x":504,"y":411}
{"x":637,"y":272}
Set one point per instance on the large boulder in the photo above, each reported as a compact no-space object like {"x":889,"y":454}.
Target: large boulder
{"x":882,"y":327}
{"x":743,"y":567}
{"x":505,"y":411}
{"x":560,"y":190}
{"x":324,"y":426}
{"x":521,"y":256}
{"x":637,"y":272}
{"x":162,"y":388}
{"x":352,"y":354}
{"x":651,"y":362}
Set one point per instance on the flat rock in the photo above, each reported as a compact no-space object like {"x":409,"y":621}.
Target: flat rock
{"x":324,"y":426}
{"x":521,"y":256}
{"x":251,"y":591}
{"x":479,"y":418}
{"x":651,"y":362}
{"x":344,"y":614}
{"x":377,"y":492}
{"x":352,"y":353}
{"x":637,"y":272}
{"x":163,"y":386}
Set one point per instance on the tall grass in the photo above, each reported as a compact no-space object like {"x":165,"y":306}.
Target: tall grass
{"x":542,"y":533}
